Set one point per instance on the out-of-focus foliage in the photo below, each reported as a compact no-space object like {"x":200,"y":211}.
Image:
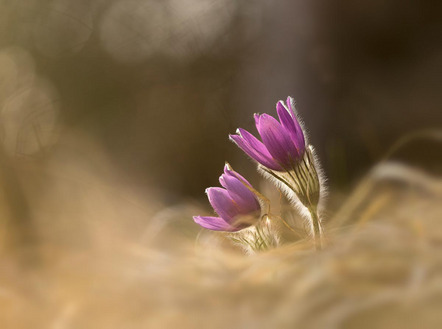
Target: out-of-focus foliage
{"x":29,"y":105}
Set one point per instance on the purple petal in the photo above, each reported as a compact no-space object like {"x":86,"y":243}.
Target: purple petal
{"x":291,"y":126}
{"x":299,"y":132}
{"x":276,"y":139}
{"x":227,"y":168}
{"x":222,"y":203}
{"x":290,"y":102}
{"x":214,"y":223}
{"x":254,"y":149}
{"x":222,"y":180}
{"x":232,"y":173}
{"x":244,"y":200}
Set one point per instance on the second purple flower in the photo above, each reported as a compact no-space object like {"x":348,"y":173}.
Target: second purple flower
{"x":237,"y":207}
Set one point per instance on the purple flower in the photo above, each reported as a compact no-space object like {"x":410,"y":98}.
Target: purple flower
{"x":236,"y":206}
{"x":283,"y":143}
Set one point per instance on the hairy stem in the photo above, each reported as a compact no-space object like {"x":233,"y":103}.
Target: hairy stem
{"x":316,"y":225}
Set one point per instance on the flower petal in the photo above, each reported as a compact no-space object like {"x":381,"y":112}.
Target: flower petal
{"x":254,"y":149}
{"x":299,"y":131}
{"x":244,"y":200}
{"x":290,"y":124}
{"x":222,"y":180}
{"x":276,"y":139}
{"x":214,"y":223}
{"x":230,"y":172}
{"x":222,"y":203}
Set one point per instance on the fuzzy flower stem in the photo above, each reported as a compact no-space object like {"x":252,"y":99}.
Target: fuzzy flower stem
{"x":261,"y":239}
{"x":317,"y":231}
{"x":303,"y":180}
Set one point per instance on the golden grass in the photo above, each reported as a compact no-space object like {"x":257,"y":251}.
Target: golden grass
{"x":93,"y":257}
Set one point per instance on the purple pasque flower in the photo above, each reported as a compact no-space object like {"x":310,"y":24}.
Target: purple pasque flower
{"x":237,"y":206}
{"x":283,"y":142}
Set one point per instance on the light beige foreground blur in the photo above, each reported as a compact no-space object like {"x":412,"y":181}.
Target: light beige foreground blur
{"x":93,"y":255}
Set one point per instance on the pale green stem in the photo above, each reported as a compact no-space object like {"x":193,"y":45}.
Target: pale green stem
{"x":316,"y":224}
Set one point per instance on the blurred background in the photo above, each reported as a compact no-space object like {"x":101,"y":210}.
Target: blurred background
{"x":160,"y":84}
{"x":115,"y":112}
